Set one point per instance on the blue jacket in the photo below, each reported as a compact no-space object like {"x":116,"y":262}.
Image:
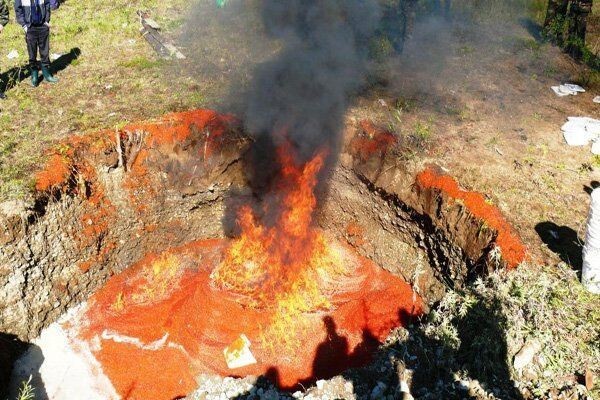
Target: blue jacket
{"x":23,"y":11}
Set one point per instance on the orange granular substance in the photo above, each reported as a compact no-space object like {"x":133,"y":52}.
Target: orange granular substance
{"x":172,"y":128}
{"x":176,"y":127}
{"x":372,"y":141}
{"x":513,"y":250}
{"x":56,"y":172}
{"x":162,"y":322}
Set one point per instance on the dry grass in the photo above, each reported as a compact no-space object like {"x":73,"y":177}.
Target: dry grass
{"x":116,"y":78}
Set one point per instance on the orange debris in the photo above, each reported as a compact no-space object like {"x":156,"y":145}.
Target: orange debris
{"x":199,"y":320}
{"x":372,"y":141}
{"x":513,"y":249}
{"x":57,"y":171}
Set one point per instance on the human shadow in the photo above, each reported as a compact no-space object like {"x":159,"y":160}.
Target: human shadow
{"x":333,"y":357}
{"x":481,"y":355}
{"x":13,"y":372}
{"x":563,"y":241}
{"x":428,"y":366}
{"x":11,"y":78}
{"x":334,"y":350}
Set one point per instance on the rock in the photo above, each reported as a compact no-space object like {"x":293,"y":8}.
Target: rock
{"x":589,"y":379}
{"x":405,"y":391}
{"x":525,"y":356}
{"x":346,"y":160}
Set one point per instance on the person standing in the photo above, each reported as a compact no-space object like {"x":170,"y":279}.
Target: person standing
{"x":34,"y":17}
{"x":3,"y":22}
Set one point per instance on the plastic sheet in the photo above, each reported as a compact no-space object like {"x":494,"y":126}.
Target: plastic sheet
{"x":590,"y":275}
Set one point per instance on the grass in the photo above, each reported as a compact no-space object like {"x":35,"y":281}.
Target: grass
{"x":423,"y":131}
{"x":480,"y":328}
{"x":116,"y":78}
{"x":26,"y":391}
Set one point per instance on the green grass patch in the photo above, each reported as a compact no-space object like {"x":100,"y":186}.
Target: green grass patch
{"x":141,"y":63}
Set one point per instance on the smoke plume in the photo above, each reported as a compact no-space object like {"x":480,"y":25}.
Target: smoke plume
{"x":301,"y":95}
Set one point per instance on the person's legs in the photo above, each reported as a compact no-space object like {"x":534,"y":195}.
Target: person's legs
{"x":44,"y":45}
{"x":32,"y":49}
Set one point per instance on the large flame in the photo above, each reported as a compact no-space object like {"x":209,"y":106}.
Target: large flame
{"x":282,"y":267}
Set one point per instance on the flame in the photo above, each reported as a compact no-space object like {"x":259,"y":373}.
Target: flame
{"x":282,"y":267}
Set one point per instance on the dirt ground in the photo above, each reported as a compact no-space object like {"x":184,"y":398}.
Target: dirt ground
{"x":490,"y":118}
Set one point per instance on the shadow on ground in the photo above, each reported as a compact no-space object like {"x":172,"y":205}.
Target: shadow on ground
{"x":563,"y":241}
{"x":15,"y":75}
{"x":11,"y":349}
{"x":534,"y":29}
{"x":479,"y":354}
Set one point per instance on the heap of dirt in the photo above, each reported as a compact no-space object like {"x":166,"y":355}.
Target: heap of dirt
{"x":165,"y":312}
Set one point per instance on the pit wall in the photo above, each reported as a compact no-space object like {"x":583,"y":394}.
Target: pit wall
{"x":107,"y":199}
{"x":463,"y":234}
{"x":103,"y":202}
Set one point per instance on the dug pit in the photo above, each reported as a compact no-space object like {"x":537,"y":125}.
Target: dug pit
{"x":161,"y":259}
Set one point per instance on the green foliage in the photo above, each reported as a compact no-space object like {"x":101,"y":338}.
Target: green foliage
{"x":423,"y":130}
{"x":380,"y":48}
{"x":26,"y":391}
{"x":141,"y":63}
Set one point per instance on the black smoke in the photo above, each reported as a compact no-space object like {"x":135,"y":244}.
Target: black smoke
{"x":302,"y":94}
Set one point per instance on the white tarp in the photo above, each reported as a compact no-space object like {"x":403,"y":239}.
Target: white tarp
{"x":580,"y":131}
{"x":568,"y":89}
{"x":590,"y":274}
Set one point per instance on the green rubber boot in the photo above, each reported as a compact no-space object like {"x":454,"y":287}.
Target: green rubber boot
{"x":35,"y":77}
{"x":48,"y":76}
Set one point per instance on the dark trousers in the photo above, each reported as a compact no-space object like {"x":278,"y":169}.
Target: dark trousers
{"x":38,"y":38}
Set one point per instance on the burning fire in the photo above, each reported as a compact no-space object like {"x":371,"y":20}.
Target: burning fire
{"x":277,"y":295}
{"x":282,"y":267}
